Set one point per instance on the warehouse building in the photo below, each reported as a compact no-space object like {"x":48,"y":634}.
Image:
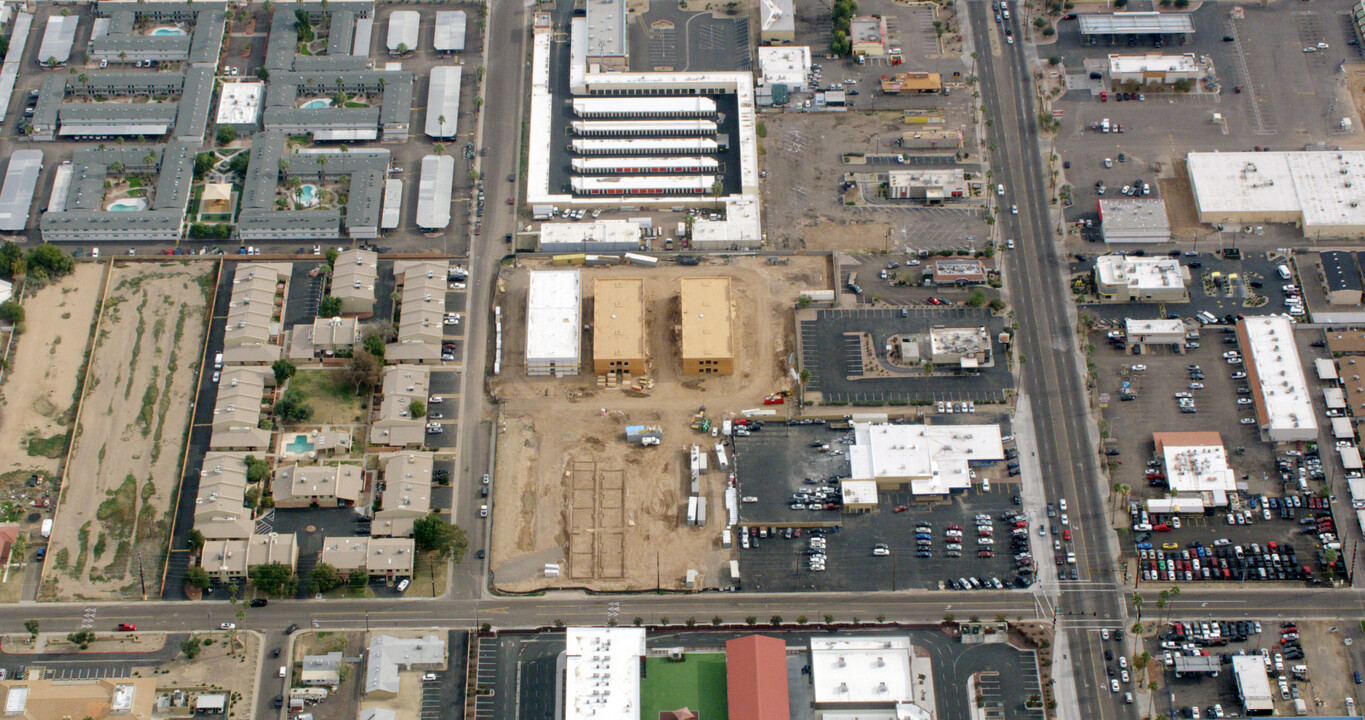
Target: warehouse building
{"x":1134,"y":220}
{"x":353,"y":279}
{"x":1284,"y":409}
{"x":602,"y":672}
{"x":662,"y":185}
{"x":394,"y":425}
{"x":707,"y":318}
{"x":607,"y":37}
{"x":599,"y":236}
{"x":403,"y":28}
{"x":789,"y":66}
{"x":120,"y":32}
{"x":553,"y":322}
{"x":756,"y":678}
{"x":927,"y":460}
{"x":867,"y":673}
{"x":450,"y":31}
{"x":1145,"y":334}
{"x":1197,"y":469}
{"x":618,"y":327}
{"x":779,"y":21}
{"x":21,"y":181}
{"x":645,"y":146}
{"x":1316,"y":190}
{"x":673,"y":106}
{"x":433,"y":192}
{"x":1340,"y":277}
{"x":1120,"y":278}
{"x":740,"y":229}
{"x":643,"y":128}
{"x":443,"y":101}
{"x":392,"y":214}
{"x":1154,"y":69}
{"x":364,"y":171}
{"x":389,"y":656}
{"x":644,"y":165}
{"x":77,"y":211}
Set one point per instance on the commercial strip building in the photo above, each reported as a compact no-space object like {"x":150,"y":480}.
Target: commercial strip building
{"x":607,"y":39}
{"x":1316,"y":190}
{"x":1143,"y":333}
{"x":363,"y":171}
{"x":390,"y":558}
{"x":1197,"y":471}
{"x":407,"y":493}
{"x":786,"y":66}
{"x":443,"y":101}
{"x":930,"y":186}
{"x":121,"y":33}
{"x":1134,"y":220}
{"x":353,"y":279}
{"x":959,"y":271}
{"x":78,"y":211}
{"x":302,"y":486}
{"x":1154,"y":69}
{"x":916,"y":82}
{"x":602,"y":672}
{"x":392,"y":424}
{"x":220,"y":511}
{"x":597,"y":236}
{"x":927,"y":460}
{"x":932,"y":139}
{"x":1341,"y":279}
{"x":1126,"y":278}
{"x":391,"y":655}
{"x":618,"y":327}
{"x":238,"y":407}
{"x":707,"y":316}
{"x":229,"y":560}
{"x":102,"y":105}
{"x":869,"y":673}
{"x":1136,"y":23}
{"x":254,"y":310}
{"x":1284,"y":409}
{"x":421,"y":311}
{"x":553,"y":312}
{"x":39,"y":698}
{"x":450,"y":31}
{"x":433,"y":192}
{"x":21,"y":181}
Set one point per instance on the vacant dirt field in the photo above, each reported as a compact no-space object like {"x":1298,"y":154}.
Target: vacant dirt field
{"x":130,"y":434}
{"x":551,"y":427}
{"x":37,"y":399}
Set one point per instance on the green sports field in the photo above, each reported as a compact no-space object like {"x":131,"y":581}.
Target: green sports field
{"x":697,"y":683}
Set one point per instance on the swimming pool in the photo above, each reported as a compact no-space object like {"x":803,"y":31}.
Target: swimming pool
{"x":316,"y":104}
{"x":168,"y":31}
{"x":127,"y":205}
{"x":299,"y":445}
{"x":306,"y":195}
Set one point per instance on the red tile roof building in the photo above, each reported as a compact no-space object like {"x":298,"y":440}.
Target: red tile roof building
{"x":756,"y":677}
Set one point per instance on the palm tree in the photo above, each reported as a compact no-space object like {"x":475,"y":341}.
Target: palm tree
{"x":442,"y":122}
{"x":1137,"y":603}
{"x":1161,"y":605}
{"x":440,"y":148}
{"x":322,"y":165}
{"x":1151,"y":696}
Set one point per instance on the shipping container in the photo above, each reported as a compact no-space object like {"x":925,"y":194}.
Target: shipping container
{"x":645,"y":260}
{"x":734,"y":569}
{"x":692,"y":510}
{"x":570,"y":259}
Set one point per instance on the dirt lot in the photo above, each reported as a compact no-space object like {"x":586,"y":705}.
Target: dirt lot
{"x":130,"y":432}
{"x":552,"y":428}
{"x":801,"y":192}
{"x":342,"y":703}
{"x":39,"y":389}
{"x":216,"y":669}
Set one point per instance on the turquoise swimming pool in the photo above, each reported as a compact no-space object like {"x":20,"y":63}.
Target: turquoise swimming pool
{"x":299,"y":445}
{"x":163,"y":31}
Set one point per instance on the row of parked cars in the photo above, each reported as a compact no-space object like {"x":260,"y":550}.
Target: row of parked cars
{"x":1221,"y":561}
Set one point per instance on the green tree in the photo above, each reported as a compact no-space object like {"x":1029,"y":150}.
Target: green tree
{"x":271,"y":577}
{"x":196,"y":576}
{"x":977,"y":298}
{"x":332,"y":255}
{"x":31,"y":626}
{"x":11,"y":259}
{"x":82,"y":638}
{"x":324,"y":577}
{"x":364,"y":369}
{"x":402,"y":48}
{"x":283,"y":370}
{"x":11,"y":312}
{"x":191,"y":648}
{"x":432,"y":532}
{"x":256,"y":470}
{"x":51,"y":260}
{"x":329,"y":307}
{"x":195,"y":541}
{"x":373,"y":344}
{"x":226,"y":134}
{"x":203,"y":162}
{"x":292,"y":407}
{"x":417,"y":409}
{"x":358,"y":580}
{"x":239,"y":162}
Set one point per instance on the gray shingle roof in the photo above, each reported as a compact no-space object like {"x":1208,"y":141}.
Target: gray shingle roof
{"x":173,"y":166}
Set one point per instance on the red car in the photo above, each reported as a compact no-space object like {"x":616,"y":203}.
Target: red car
{"x":126,"y":627}
{"x":901,"y":508}
{"x":985,"y":554}
{"x":934,"y":301}
{"x":1066,"y":534}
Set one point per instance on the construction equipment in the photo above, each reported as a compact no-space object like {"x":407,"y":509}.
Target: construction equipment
{"x":700,"y":422}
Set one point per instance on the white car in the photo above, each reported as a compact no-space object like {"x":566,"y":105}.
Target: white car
{"x":1113,"y":685}
{"x":1108,"y":162}
{"x":228,"y":626}
{"x":1014,"y":209}
{"x":483,"y":511}
{"x":435,"y":400}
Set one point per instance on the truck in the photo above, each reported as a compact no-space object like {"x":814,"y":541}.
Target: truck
{"x":47,"y":528}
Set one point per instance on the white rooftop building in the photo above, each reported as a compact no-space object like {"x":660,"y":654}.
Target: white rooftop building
{"x":389,"y":655}
{"x":1197,"y":467}
{"x":602,"y":672}
{"x":928,"y":459}
{"x":403,"y":29}
{"x":1134,"y":220}
{"x":450,"y":31}
{"x":864,"y":672}
{"x":240,"y":103}
{"x":1253,"y":684}
{"x":1158,"y":331}
{"x":1284,"y":409}
{"x":597,"y":236}
{"x":1153,"y":69}
{"x":1125,"y":278}
{"x":740,"y":228}
{"x":553,"y":323}
{"x":1317,"y":190}
{"x":785,"y":65}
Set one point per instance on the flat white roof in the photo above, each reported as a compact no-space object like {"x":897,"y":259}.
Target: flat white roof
{"x":433,"y":191}
{"x":450,"y":30}
{"x":1322,"y":187}
{"x":403,"y":27}
{"x":627,"y":127}
{"x":393,"y":204}
{"x":1133,"y":326}
{"x":861,"y":670}
{"x":639,"y":183}
{"x":553,"y":316}
{"x":1199,"y":469}
{"x":240,"y":103}
{"x":606,"y":28}
{"x":1152,"y":63}
{"x":784,"y":64}
{"x":600,"y":231}
{"x":591,"y":146}
{"x":1350,"y":457}
{"x":1146,"y":215}
{"x":602,"y":672}
{"x":933,"y":458}
{"x":1344,"y":429}
{"x":1280,"y":382}
{"x":741,"y":225}
{"x":538,"y":139}
{"x":21,"y":181}
{"x":1136,"y":23}
{"x":1252,"y":682}
{"x":613,"y":163}
{"x":443,"y":101}
{"x":1140,"y":273}
{"x":663,"y":105}
{"x":859,"y":492}
{"x":1326,"y":367}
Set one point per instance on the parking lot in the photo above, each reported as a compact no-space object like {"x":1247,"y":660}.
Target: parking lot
{"x":1212,"y":288}
{"x":775,"y":463}
{"x":910,"y":282}
{"x":834,"y":358}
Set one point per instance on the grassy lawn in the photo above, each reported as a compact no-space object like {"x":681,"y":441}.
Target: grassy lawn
{"x":697,"y":683}
{"x":430,"y":574}
{"x":332,"y":398}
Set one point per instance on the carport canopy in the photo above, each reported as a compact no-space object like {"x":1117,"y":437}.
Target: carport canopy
{"x":1136,"y":23}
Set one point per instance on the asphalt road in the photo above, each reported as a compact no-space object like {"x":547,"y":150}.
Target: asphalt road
{"x":1049,"y":366}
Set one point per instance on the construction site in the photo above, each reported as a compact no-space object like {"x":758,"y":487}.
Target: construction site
{"x":594,"y":485}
